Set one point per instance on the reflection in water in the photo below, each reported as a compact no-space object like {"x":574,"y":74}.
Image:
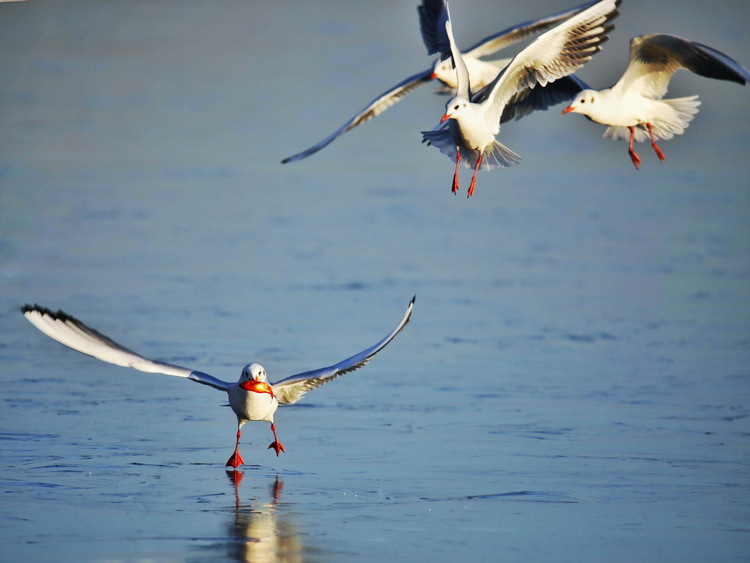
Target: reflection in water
{"x":261,"y":532}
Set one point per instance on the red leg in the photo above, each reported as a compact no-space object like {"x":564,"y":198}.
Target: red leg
{"x":276,"y":445}
{"x":236,"y":459}
{"x":653,"y":143}
{"x":634,"y":157}
{"x":455,"y":174}
{"x":474,"y":177}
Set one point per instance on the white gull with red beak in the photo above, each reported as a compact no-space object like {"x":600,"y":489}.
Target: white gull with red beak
{"x":252,"y":397}
{"x":482,"y":71}
{"x":633,"y":108}
{"x":466,"y":133}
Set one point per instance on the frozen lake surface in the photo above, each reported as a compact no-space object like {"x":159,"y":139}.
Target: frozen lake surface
{"x":574,"y":384}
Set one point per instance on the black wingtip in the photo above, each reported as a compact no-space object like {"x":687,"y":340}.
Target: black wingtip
{"x":36,"y":308}
{"x":58,"y":315}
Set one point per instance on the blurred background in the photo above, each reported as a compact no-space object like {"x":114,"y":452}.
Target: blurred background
{"x":573,"y":385}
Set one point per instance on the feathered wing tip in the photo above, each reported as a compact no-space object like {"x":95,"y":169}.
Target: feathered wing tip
{"x":73,"y":333}
{"x":441,"y":138}
{"x":691,"y":55}
{"x":291,"y":389}
{"x":673,"y":122}
{"x":432,"y":17}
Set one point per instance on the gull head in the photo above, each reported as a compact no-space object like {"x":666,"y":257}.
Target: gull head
{"x":454,"y":108}
{"x":253,"y":372}
{"x":584,"y":103}
{"x":444,"y":72}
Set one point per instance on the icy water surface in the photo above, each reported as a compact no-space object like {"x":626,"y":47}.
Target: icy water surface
{"x":574,"y":383}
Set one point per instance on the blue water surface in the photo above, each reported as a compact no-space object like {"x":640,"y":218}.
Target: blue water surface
{"x":574,"y":384}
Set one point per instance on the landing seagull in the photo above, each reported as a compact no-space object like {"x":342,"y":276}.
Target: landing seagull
{"x":468,"y":128}
{"x":252,"y":397}
{"x":634,"y":105}
{"x":481,"y":71}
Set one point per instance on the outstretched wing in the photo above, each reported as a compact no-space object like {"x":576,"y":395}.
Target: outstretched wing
{"x":655,"y":58}
{"x":463,"y":85}
{"x":374,"y":108}
{"x":73,"y":333}
{"x":556,"y":53}
{"x":511,"y":35}
{"x":291,"y":389}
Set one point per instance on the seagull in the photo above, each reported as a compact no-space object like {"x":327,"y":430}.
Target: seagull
{"x":634,"y":105}
{"x":252,"y":397}
{"x":482,"y":72}
{"x":467,"y":130}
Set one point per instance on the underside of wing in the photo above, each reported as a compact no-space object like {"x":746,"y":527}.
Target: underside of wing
{"x":541,"y":98}
{"x":373,"y":109}
{"x":655,"y":58}
{"x":293,"y":388}
{"x":441,"y":138}
{"x":73,"y":333}
{"x":432,"y":17}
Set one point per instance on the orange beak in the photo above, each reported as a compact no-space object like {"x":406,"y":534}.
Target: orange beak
{"x":568,"y":110}
{"x":257,"y":387}
{"x":446,"y":116}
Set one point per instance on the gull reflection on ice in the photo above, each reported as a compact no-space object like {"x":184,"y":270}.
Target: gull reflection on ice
{"x":261,"y":530}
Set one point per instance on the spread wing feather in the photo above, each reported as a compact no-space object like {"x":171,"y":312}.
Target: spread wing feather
{"x":291,"y":389}
{"x":71,"y":332}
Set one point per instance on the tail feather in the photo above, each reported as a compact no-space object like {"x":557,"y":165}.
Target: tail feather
{"x":497,"y":156}
{"x":680,"y":112}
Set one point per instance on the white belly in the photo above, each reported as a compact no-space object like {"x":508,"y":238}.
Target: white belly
{"x":249,"y":405}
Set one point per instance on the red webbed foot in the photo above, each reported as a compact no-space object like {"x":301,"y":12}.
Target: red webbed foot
{"x":474,"y":177}
{"x":455,"y":188}
{"x":635,"y":158}
{"x":278,"y":446}
{"x":235,"y":460}
{"x":657,"y":150}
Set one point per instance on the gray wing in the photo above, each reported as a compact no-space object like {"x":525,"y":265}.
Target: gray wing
{"x":655,"y":58}
{"x":506,"y":37}
{"x":291,"y":389}
{"x":374,"y":108}
{"x":73,"y":333}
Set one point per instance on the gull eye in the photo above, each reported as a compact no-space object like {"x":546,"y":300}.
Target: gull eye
{"x":456,"y":107}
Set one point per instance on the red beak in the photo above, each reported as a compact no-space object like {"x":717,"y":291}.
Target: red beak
{"x":433,"y":76}
{"x":446,"y":116}
{"x":568,"y":110}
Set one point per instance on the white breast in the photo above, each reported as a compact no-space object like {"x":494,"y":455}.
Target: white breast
{"x":249,"y":405}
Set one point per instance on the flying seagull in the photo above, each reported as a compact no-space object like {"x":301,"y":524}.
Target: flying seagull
{"x":481,"y":71}
{"x":634,"y":107}
{"x":466,"y":132}
{"x":252,"y":397}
